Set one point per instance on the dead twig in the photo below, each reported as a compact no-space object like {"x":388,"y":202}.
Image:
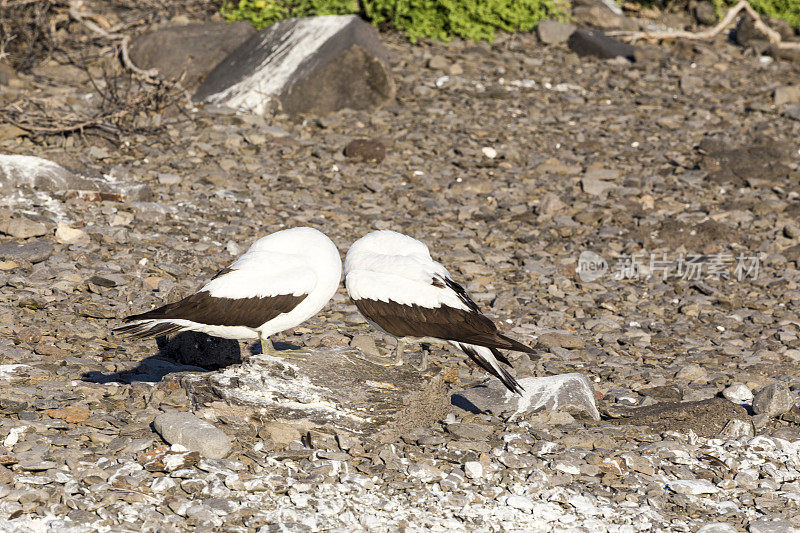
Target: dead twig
{"x":151,"y":76}
{"x":773,"y":36}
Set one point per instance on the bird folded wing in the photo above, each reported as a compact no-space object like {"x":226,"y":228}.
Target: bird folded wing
{"x":263,"y":274}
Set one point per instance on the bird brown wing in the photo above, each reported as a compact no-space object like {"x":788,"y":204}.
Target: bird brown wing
{"x":444,"y":322}
{"x":203,"y":308}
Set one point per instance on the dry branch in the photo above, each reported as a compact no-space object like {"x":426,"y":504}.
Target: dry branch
{"x":773,"y":36}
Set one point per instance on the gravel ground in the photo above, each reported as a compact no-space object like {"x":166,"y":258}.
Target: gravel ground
{"x":509,"y":160}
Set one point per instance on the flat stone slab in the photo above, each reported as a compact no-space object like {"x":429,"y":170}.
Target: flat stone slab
{"x":194,"y":434}
{"x":39,"y":174}
{"x":329,"y":390}
{"x":706,"y":418}
{"x":307,"y":65}
{"x":572,"y":393}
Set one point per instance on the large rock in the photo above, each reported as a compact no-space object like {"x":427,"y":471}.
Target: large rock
{"x":199,"y":349}
{"x":192,"y":433}
{"x":329,"y":390}
{"x":309,"y":65}
{"x":773,"y":400}
{"x":31,"y":172}
{"x":572,"y":393}
{"x":188,"y":52}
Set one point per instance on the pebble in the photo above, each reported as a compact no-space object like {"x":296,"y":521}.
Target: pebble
{"x":520,"y":502}
{"x":738,"y":393}
{"x":692,"y":486}
{"x":197,"y":435}
{"x":473,"y":469}
{"x":68,"y":235}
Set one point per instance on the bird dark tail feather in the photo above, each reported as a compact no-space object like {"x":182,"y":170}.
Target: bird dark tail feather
{"x":148,"y":329}
{"x":494,"y":369}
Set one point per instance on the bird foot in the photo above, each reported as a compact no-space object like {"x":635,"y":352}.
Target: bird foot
{"x":267,"y":348}
{"x":378,"y":360}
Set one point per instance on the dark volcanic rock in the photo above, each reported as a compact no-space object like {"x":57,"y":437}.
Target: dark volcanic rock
{"x":705,"y":417}
{"x":310,"y":65}
{"x":596,"y":43}
{"x":199,"y":349}
{"x":189,"y":51}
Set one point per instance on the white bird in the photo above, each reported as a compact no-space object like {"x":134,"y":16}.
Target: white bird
{"x":401,"y":290}
{"x":283,"y":279}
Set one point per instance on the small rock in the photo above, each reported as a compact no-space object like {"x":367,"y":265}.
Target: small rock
{"x":473,"y":469}
{"x":692,"y":372}
{"x":788,"y":94}
{"x":553,"y":32}
{"x":596,"y":187}
{"x":279,"y":433}
{"x":705,"y":13}
{"x":738,"y":393}
{"x":68,"y":235}
{"x":195,"y":434}
{"x":23,"y":228}
{"x":489,"y":152}
{"x":595,"y":43}
{"x":560,"y":340}
{"x":438,"y":62}
{"x":792,"y":231}
{"x":692,"y":486}
{"x":718,"y":527}
{"x":773,"y":400}
{"x":365,"y":150}
{"x":522,"y":503}
{"x":365,"y":343}
{"x":736,"y":428}
{"x":767,"y":525}
{"x":471,"y":432}
{"x":549,"y":205}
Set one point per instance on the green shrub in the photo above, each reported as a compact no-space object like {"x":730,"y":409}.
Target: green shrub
{"x":788,"y":10}
{"x":437,"y":19}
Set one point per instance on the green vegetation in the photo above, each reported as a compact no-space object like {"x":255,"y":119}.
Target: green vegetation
{"x":788,"y":10}
{"x":437,"y":19}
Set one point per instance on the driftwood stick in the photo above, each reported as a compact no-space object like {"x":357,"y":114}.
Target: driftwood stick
{"x":773,"y":36}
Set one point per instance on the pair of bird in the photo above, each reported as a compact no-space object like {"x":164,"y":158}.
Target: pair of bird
{"x":285,"y":278}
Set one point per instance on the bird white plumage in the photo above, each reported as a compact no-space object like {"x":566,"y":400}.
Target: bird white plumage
{"x":395,"y":269}
{"x":298,"y":270}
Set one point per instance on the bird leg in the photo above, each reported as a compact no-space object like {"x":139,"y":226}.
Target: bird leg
{"x":385,"y":361}
{"x":423,"y":364}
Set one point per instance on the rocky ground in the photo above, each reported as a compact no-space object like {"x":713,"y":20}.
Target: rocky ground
{"x":509,"y":160}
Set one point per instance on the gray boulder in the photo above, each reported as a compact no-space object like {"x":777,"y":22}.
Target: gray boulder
{"x":310,"y":65}
{"x":190,"y":51}
{"x":572,"y":393}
